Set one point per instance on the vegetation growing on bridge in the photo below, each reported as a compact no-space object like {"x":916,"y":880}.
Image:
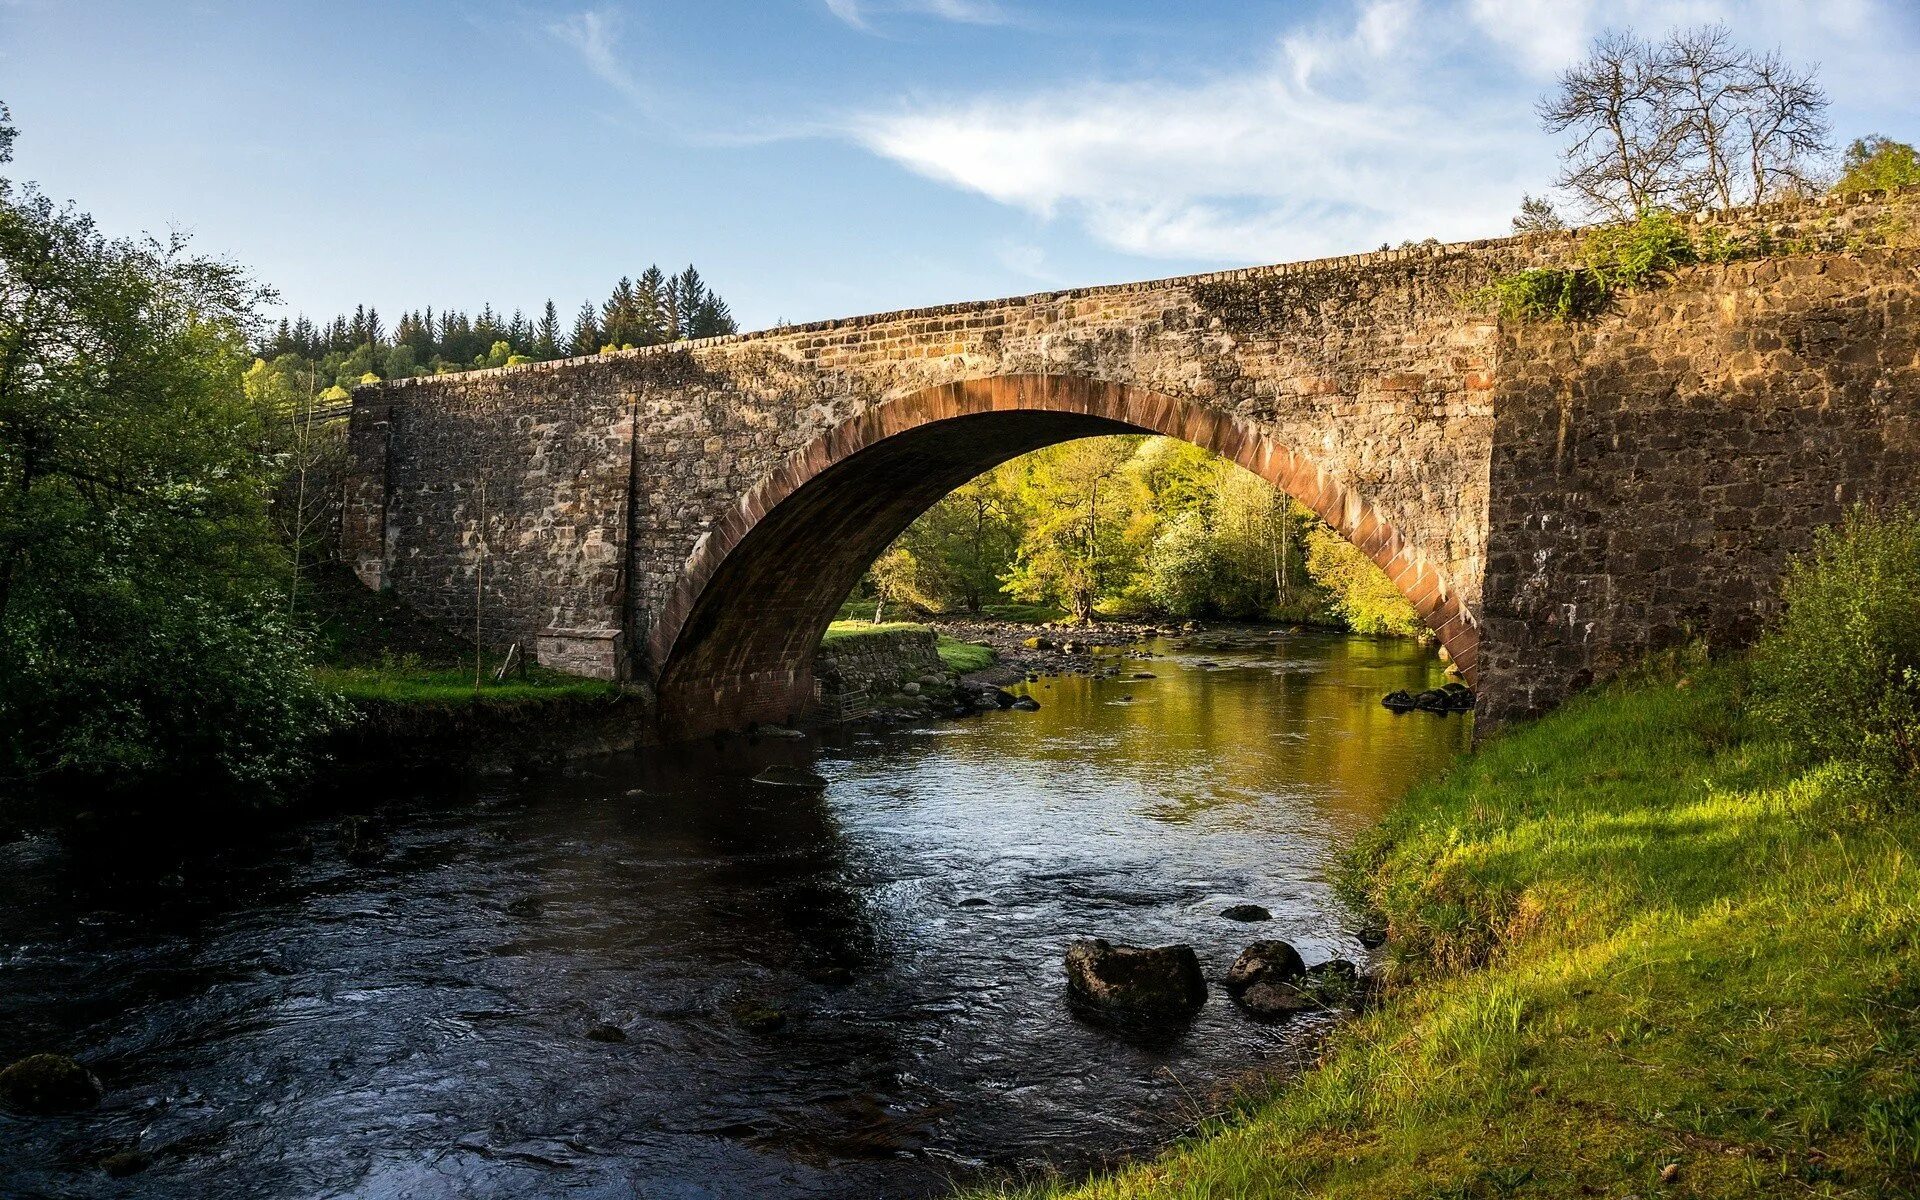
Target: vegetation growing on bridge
{"x":1657,"y":940}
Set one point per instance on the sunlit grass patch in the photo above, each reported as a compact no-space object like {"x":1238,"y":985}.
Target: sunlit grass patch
{"x":411,"y":683}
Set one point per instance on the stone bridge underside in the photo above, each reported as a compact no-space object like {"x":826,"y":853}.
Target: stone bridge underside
{"x":1556,"y":500}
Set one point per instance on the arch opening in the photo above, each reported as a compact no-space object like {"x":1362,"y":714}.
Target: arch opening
{"x":733,"y":643}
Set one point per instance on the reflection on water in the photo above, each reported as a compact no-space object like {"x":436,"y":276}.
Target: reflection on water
{"x":660,"y":978}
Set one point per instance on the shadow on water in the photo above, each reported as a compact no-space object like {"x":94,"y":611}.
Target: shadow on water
{"x":662,"y":976}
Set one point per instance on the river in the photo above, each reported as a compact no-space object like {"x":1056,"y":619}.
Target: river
{"x":790,"y":992}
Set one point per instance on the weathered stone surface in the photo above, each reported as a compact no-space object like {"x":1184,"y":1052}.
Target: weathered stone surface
{"x":1136,"y":984}
{"x":1269,"y":961}
{"x":1554,"y":499}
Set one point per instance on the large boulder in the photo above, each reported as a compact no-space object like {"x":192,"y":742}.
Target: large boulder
{"x":48,"y":1083}
{"x":1398,"y":701}
{"x":1151,"y":986}
{"x":1269,"y":961}
{"x":1263,"y":981}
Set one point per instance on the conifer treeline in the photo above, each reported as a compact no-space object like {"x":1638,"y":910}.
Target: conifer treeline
{"x":647,"y":311}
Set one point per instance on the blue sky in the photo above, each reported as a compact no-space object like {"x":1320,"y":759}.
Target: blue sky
{"x":820,"y":158}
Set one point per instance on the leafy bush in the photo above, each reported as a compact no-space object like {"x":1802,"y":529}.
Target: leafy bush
{"x":1840,"y":674}
{"x":134,"y":690}
{"x":1878,"y":164}
{"x":1611,"y":259}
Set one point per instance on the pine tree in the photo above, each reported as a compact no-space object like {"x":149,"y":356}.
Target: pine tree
{"x":619,"y":316}
{"x":713,"y":318}
{"x":650,"y":294}
{"x":546,"y":335}
{"x":586,"y":332}
{"x":690,"y":295}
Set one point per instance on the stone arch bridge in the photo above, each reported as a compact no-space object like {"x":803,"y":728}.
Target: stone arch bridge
{"x":1555,"y":499}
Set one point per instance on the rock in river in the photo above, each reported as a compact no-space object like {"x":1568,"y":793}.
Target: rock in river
{"x":1144,"y":985}
{"x":1246,"y":912}
{"x":48,"y":1083}
{"x":782,"y":775}
{"x":1264,"y":962}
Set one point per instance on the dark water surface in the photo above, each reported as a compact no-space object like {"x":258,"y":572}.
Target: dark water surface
{"x":274,"y":1020}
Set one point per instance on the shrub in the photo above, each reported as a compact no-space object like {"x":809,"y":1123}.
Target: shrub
{"x":1840,"y":673}
{"x":1612,"y":259}
{"x":137,"y":690}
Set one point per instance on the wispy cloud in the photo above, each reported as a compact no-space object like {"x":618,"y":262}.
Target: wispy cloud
{"x":1315,"y":146}
{"x":594,"y":34}
{"x":1401,"y":119}
{"x":859,"y":13}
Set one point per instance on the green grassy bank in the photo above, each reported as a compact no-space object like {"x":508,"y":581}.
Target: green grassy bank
{"x":1637,"y":949}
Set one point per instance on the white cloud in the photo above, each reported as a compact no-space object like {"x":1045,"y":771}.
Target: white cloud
{"x":1409,"y":118}
{"x":1315,"y":148}
{"x":966,"y":12}
{"x":594,"y":34}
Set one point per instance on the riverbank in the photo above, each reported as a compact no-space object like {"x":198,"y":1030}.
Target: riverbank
{"x":1635,"y":949}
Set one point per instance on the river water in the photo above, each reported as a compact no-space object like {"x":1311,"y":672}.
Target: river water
{"x":855,"y":992}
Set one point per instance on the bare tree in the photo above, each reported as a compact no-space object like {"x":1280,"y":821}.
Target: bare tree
{"x":1627,"y":151}
{"x":1694,"y":121}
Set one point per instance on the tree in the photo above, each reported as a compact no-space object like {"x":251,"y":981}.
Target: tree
{"x":1693,"y":121}
{"x":139,"y":631}
{"x":620,"y":315}
{"x":959,"y":548}
{"x":1538,"y":215}
{"x":1075,"y":548}
{"x":586,"y":332}
{"x":1877,"y":164}
{"x":1362,"y":594}
{"x":546,"y":335}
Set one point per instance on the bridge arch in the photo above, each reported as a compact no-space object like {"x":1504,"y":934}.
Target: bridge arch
{"x":734,"y":639}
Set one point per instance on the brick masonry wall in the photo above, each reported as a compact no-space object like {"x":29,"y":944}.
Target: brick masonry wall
{"x":1368,"y":385}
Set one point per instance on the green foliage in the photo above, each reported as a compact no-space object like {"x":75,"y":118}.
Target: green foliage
{"x":1878,"y":164}
{"x":647,"y":311}
{"x":1637,"y":934}
{"x":1082,"y":503}
{"x":1125,"y":526}
{"x":1840,"y":674}
{"x":138,"y":572}
{"x":140,"y":687}
{"x":1362,"y":594}
{"x":1611,"y":259}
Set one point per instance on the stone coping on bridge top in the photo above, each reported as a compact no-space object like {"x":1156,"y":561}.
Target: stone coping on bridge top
{"x":1546,"y":243}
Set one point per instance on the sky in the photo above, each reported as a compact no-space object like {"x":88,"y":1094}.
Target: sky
{"x":821,"y":158}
